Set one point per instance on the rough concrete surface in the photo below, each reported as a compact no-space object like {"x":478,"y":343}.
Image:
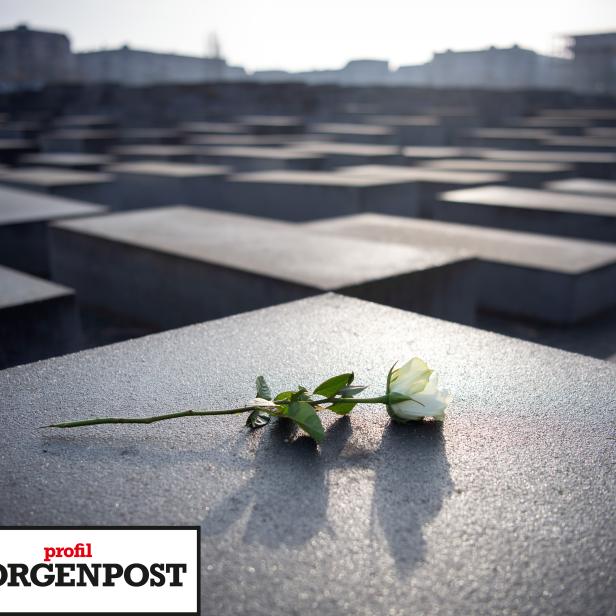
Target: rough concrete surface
{"x":507,"y":508}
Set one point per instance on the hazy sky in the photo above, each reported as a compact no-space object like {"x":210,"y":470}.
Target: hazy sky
{"x":307,"y":34}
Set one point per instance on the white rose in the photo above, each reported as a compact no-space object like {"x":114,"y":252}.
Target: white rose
{"x":414,"y":394}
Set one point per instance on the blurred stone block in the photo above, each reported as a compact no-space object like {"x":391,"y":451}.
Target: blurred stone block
{"x":585,"y":186}
{"x":80,"y":185}
{"x":536,"y":211}
{"x":552,"y":279}
{"x":67,"y":160}
{"x":38,"y":319}
{"x":152,"y":184}
{"x":255,"y":158}
{"x":307,"y":195}
{"x":82,"y":140}
{"x":527,"y":174}
{"x":345,"y":154}
{"x":23,"y":226}
{"x":174,"y":266}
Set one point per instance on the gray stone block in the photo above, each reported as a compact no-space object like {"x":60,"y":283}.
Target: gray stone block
{"x":155,"y":152}
{"x":83,"y":140}
{"x":585,"y":186}
{"x":353,"y":133}
{"x":552,"y":279}
{"x":256,"y":158}
{"x":506,"y":137}
{"x":428,"y":182}
{"x":536,"y":211}
{"x":173,"y":266}
{"x":38,"y":319}
{"x":308,"y":195}
{"x":527,"y":174}
{"x":67,"y":160}
{"x":600,"y":165}
{"x":272,"y":124}
{"x":345,"y":154}
{"x":506,"y":508}
{"x":80,"y":185}
{"x":23,"y":226}
{"x":11,"y":150}
{"x":152,"y":184}
{"x":420,"y":130}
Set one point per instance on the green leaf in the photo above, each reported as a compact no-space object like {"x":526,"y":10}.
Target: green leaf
{"x":300,"y":394}
{"x":306,"y":418}
{"x":263,"y":390}
{"x":342,"y":408}
{"x":332,"y":386}
{"x":351,"y":390}
{"x":258,"y":419}
{"x":284,"y":395}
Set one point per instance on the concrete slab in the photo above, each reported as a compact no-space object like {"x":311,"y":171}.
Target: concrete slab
{"x":268,"y":124}
{"x":537,"y":211}
{"x":254,"y":158}
{"x":66,"y":160}
{"x":152,"y":184}
{"x":308,"y":195}
{"x":87,"y":121}
{"x":23,"y":226}
{"x":585,"y":186}
{"x":38,"y":319}
{"x":353,"y":133}
{"x":80,"y":185}
{"x":150,"y":136}
{"x":581,"y":143}
{"x":345,"y":154}
{"x":160,"y":152}
{"x":427,"y":182}
{"x":173,"y":266}
{"x":239,"y":140}
{"x":213,"y":128}
{"x":508,"y":499}
{"x":420,"y":130}
{"x":506,"y":137}
{"x":12,"y":149}
{"x":425,"y":152}
{"x":83,"y":140}
{"x":551,"y":279}
{"x":518,"y":173}
{"x":600,"y":165}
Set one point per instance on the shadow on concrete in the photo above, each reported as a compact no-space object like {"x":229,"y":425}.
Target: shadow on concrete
{"x":288,"y":494}
{"x":411,"y":482}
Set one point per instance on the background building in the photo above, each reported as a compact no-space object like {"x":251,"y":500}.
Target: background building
{"x":594,"y":62}
{"x":31,"y":57}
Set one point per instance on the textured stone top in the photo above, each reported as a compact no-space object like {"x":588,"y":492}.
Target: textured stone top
{"x":585,"y":186}
{"x":19,"y":206}
{"x":564,"y":156}
{"x":506,"y":508}
{"x":423,"y":174}
{"x":17,"y":289}
{"x":212,"y":127}
{"x":167,"y":169}
{"x":499,"y":166}
{"x":46,"y":176}
{"x":532,"y":199}
{"x":66,"y":159}
{"x":349,"y":149}
{"x":405,"y":120}
{"x":270,"y":120}
{"x":532,"y":250}
{"x":325,"y":178}
{"x":255,"y":152}
{"x":152,"y":150}
{"x":435,"y":151}
{"x":268,"y":248}
{"x":369,"y":130}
